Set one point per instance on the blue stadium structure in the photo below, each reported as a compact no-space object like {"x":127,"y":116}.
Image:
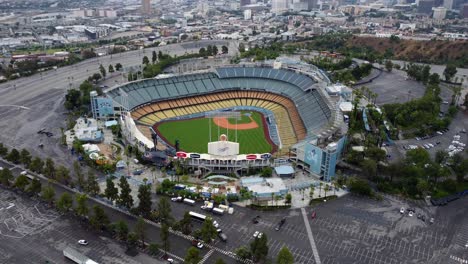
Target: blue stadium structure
{"x":294,"y":95}
{"x":299,"y":88}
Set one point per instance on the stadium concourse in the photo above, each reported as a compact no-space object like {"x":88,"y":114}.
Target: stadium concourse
{"x":300,"y":108}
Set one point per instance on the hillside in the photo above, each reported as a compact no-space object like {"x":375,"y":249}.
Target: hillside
{"x":434,"y":51}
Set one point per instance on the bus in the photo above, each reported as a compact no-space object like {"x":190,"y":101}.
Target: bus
{"x":197,"y":216}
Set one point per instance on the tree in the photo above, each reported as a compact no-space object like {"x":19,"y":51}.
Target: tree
{"x":49,"y":169}
{"x":360,"y":186}
{"x":118,"y":67}
{"x":65,"y":202}
{"x":153,"y":249}
{"x":220,"y":261}
{"x":111,"y":68}
{"x":102,"y":70}
{"x":202,"y":52}
{"x":243,"y":252}
{"x":35,"y":186}
{"x":81,"y":206}
{"x":99,"y":220}
{"x":48,"y":194}
{"x":140,"y":230}
{"x":193,"y":256}
{"x":5,"y":177}
{"x":111,"y":192}
{"x":186,"y":224}
{"x":164,"y":209}
{"x":418,"y":156}
{"x":25,"y":158}
{"x":3,"y":150}
{"x":79,"y":174}
{"x":208,"y":230}
{"x":125,"y":198}
{"x":214,"y":51}
{"x":369,"y":167}
{"x":285,"y":256}
{"x":311,"y":192}
{"x":21,"y":182}
{"x":145,"y":60}
{"x":144,"y":196}
{"x":450,"y":71}
{"x":440,"y":156}
{"x":72,"y":99}
{"x":165,"y":237}
{"x":224,"y":49}
{"x":241,"y":47}
{"x":389,"y":65}
{"x":13,"y":156}
{"x":92,"y":186}
{"x":154,"y":57}
{"x":326,"y":189}
{"x":62,"y":174}
{"x":95,"y":77}
{"x":132,"y":240}
{"x":320,"y":189}
{"x":259,"y":248}
{"x":121,"y":229}
{"x":267,"y":172}
{"x":37,"y":165}
{"x":288,"y":198}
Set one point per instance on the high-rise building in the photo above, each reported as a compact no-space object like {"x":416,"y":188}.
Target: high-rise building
{"x":146,"y":6}
{"x":247,"y":14}
{"x":312,"y":4}
{"x":439,"y":13}
{"x":279,"y":6}
{"x":244,"y":2}
{"x":464,"y":11}
{"x":425,"y":6}
{"x":448,"y":4}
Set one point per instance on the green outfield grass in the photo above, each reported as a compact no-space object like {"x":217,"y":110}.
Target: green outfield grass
{"x":193,"y":134}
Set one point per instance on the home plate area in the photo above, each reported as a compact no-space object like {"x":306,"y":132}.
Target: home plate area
{"x":19,"y":218}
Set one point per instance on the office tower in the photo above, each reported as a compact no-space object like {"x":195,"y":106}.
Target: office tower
{"x":425,"y":6}
{"x":244,"y":2}
{"x":279,"y":6}
{"x":439,"y":13}
{"x":146,"y":6}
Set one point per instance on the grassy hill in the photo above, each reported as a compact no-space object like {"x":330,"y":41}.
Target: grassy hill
{"x":433,"y":51}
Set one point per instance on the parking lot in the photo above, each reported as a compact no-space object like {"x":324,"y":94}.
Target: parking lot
{"x":352,"y":230}
{"x":30,"y":232}
{"x":459,"y":123}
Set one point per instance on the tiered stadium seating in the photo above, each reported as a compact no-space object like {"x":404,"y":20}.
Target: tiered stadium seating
{"x":278,"y":90}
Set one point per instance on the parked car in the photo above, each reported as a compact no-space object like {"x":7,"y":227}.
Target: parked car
{"x":410,"y":213}
{"x":402,"y":210}
{"x":256,"y":234}
{"x":222,"y":236}
{"x":83,"y":242}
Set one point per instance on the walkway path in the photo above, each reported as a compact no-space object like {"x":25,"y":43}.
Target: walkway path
{"x":311,"y":238}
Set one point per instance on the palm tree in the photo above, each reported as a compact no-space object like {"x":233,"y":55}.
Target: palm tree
{"x":311,"y":193}
{"x":334,"y":187}
{"x":320,"y":189}
{"x":277,"y":197}
{"x":326,"y":189}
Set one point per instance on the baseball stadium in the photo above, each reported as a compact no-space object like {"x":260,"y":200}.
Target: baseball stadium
{"x":263,"y":109}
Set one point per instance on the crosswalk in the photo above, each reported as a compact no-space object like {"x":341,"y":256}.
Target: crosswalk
{"x":206,"y":256}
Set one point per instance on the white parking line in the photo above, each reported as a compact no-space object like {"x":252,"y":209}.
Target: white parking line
{"x":311,"y":238}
